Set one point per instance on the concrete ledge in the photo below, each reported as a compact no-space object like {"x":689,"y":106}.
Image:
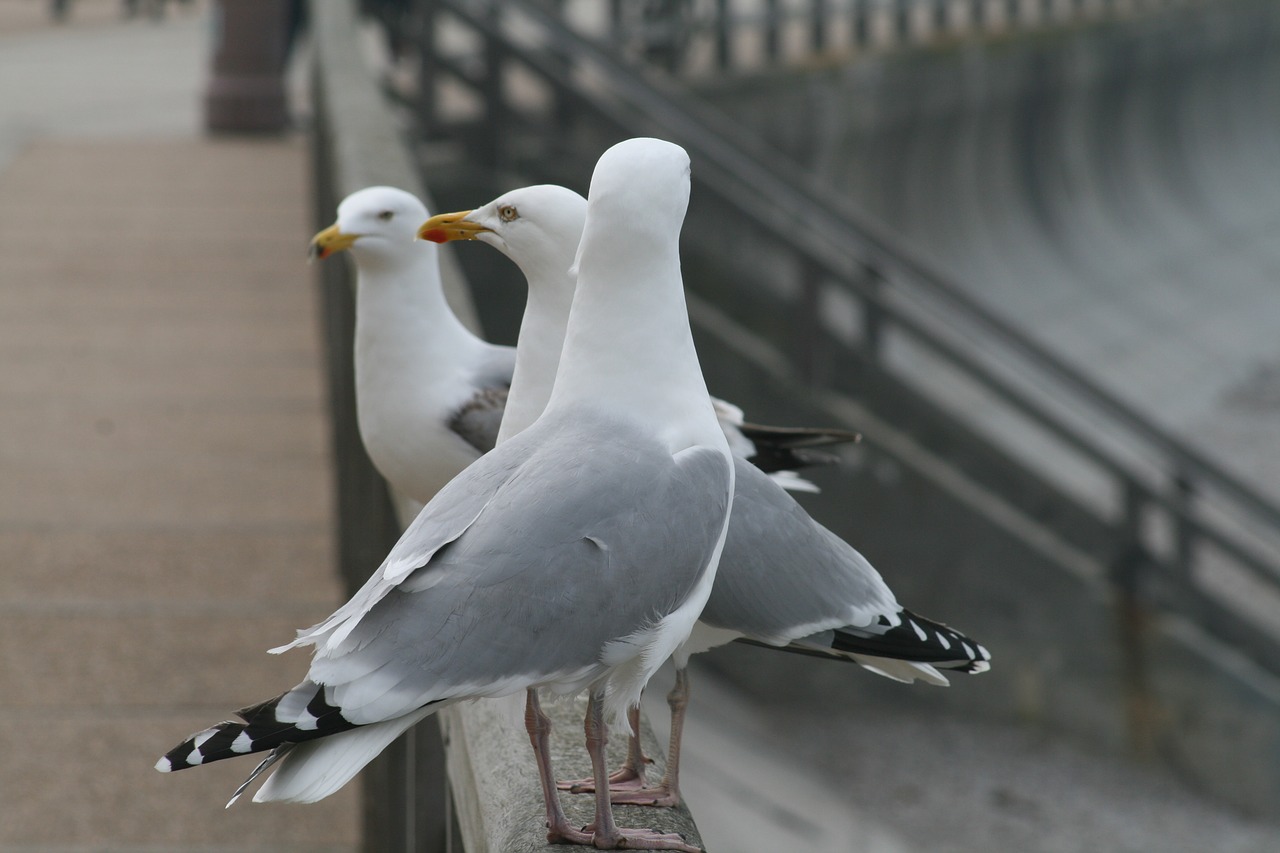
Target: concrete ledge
{"x":489,"y":756}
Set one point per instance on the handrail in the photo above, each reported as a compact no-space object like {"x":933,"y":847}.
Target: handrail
{"x":841,"y":240}
{"x":708,"y":132}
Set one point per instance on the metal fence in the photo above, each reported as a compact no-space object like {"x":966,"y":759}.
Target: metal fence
{"x":540,"y":77}
{"x":714,"y":36}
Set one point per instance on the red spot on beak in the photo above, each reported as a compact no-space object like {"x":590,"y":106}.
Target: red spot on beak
{"x":436,"y":235}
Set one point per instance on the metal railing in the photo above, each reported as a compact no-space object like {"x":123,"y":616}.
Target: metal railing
{"x":1173,"y":513}
{"x":713,"y":36}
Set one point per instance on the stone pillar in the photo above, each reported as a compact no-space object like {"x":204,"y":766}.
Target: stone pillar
{"x":250,"y":48}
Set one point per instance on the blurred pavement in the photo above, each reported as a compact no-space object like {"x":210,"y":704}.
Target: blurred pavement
{"x":165,"y":509}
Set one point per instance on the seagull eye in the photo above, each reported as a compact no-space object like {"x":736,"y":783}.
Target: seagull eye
{"x":387,"y":215}
{"x":507,"y":213}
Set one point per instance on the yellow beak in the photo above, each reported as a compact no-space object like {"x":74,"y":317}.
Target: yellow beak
{"x":329,"y":241}
{"x":445,"y":227}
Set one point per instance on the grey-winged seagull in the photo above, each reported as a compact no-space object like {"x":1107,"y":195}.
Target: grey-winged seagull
{"x":575,"y":556}
{"x":429,"y":393}
{"x":784,"y":580}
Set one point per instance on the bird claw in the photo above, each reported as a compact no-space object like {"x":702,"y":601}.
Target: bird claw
{"x":622,"y":839}
{"x":648,"y":839}
{"x":659,"y":797}
{"x":624,"y":779}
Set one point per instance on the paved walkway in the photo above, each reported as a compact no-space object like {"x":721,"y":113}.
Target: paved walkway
{"x":165,"y":502}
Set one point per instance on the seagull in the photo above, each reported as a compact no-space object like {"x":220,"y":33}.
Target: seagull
{"x":430,"y":395}
{"x":429,"y":392}
{"x":574,"y":556}
{"x":784,"y":580}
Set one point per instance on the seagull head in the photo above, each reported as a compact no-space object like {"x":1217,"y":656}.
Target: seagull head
{"x":375,"y":221}
{"x":536,"y":227}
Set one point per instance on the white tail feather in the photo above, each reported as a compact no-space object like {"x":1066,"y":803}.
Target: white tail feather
{"x":902,"y":670}
{"x":793,"y":482}
{"x":315,"y":769}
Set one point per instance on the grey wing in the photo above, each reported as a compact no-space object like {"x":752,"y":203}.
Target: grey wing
{"x":444,"y":519}
{"x":783,"y":576}
{"x":478,"y":420}
{"x":593,"y":540}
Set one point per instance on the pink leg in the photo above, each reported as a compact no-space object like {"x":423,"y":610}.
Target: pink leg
{"x":667,"y":793}
{"x":608,"y":835}
{"x":626,"y":778}
{"x":539,"y":727}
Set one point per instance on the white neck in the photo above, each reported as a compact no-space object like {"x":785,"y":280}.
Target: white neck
{"x":406,"y":333}
{"x":628,"y":346}
{"x":542,"y":333}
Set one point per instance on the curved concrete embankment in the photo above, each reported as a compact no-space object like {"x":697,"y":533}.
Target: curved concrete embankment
{"x":1115,"y":191}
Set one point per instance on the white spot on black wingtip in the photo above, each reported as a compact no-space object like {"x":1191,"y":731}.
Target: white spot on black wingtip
{"x":986,"y":655}
{"x":164,"y":765}
{"x":243,"y":743}
{"x":968,"y":650}
{"x":919,"y":631}
{"x":946,"y":644}
{"x":194,"y":759}
{"x":306,"y":721}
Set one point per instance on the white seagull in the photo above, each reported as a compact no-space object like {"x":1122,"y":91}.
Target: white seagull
{"x":430,"y":394}
{"x":575,"y":556}
{"x":784,"y":580}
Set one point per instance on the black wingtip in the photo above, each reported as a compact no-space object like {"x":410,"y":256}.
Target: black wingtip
{"x":917,"y":639}
{"x":262,"y":729}
{"x":794,"y":448}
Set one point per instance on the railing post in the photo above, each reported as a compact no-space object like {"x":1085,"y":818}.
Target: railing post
{"x":1012,"y":13}
{"x":818,"y":14}
{"x":723,"y":37}
{"x":772,"y":30}
{"x":873,"y":315}
{"x":902,"y":21}
{"x":1183,"y":531}
{"x":978,"y":15}
{"x":861,"y":22}
{"x":941,"y":16}
{"x":664,"y":27}
{"x":495,"y":105}
{"x":808,"y":326}
{"x":428,"y":68}
{"x":1124,"y":567}
{"x":617,"y":30}
{"x":1133,"y":623}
